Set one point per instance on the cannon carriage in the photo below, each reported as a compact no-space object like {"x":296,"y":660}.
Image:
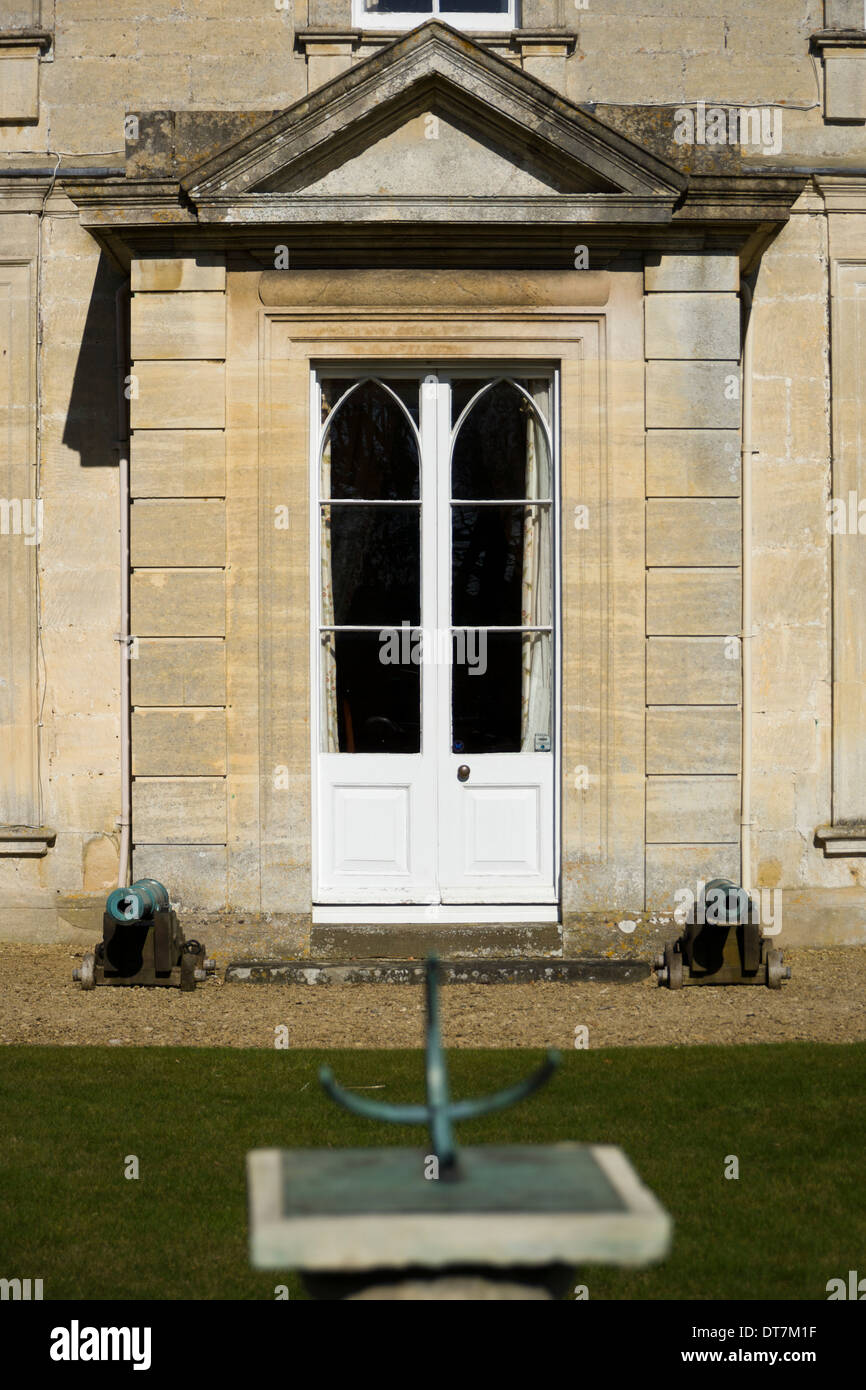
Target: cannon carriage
{"x":143,"y":943}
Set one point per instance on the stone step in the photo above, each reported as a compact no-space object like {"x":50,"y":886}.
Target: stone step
{"x":405,"y":972}
{"x":399,"y":942}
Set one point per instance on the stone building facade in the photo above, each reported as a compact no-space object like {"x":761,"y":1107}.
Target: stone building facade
{"x":329,"y":325}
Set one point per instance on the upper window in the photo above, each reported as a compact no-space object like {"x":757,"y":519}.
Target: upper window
{"x":462,"y":14}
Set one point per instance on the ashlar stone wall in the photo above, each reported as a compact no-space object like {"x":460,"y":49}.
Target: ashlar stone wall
{"x":693,"y":596}
{"x":178,"y":570}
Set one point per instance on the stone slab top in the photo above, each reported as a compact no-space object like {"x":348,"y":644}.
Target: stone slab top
{"x":534,"y":1205}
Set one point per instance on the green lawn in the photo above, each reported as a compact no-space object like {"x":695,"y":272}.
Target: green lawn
{"x":793,"y":1113}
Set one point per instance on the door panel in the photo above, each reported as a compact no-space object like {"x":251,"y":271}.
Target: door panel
{"x":372,"y":829}
{"x":497,"y":844}
{"x":376,"y":835}
{"x":503,"y":828}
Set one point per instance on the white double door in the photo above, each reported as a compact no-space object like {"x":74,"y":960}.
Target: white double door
{"x":434,"y":650}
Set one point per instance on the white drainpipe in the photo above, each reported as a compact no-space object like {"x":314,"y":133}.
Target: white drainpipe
{"x":123,"y":636}
{"x":747,"y":636}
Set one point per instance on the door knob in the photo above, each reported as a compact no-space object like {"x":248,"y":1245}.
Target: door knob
{"x":463,"y":773}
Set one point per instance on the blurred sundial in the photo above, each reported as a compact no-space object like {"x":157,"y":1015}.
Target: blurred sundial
{"x":521,"y":1211}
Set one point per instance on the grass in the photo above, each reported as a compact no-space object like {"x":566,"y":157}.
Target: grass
{"x":792,"y":1113}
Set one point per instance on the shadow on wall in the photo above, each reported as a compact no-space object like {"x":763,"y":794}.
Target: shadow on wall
{"x":92,"y":423}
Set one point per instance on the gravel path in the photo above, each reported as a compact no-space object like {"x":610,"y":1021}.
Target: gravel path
{"x":825,"y":1001}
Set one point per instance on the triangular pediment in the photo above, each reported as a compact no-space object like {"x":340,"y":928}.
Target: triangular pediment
{"x":434,"y":149}
{"x":433,"y":114}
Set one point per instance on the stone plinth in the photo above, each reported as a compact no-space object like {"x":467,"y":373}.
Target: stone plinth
{"x":521,"y":1214}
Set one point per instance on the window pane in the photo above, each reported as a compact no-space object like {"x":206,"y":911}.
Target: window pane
{"x":334,"y":387}
{"x":398,"y":6}
{"x":500,"y":566}
{"x":371,"y":565}
{"x":501,"y":693}
{"x":425,"y":7}
{"x":473,"y":7}
{"x":464,"y":388}
{"x":370,"y":449}
{"x":462,"y":391}
{"x":376,"y":702}
{"x":501,"y":448}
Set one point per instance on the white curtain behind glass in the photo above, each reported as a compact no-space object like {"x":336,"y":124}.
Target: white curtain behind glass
{"x":330,"y":731}
{"x":536,"y":590}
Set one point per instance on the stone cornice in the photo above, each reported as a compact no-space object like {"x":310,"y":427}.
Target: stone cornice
{"x":23,"y":841}
{"x":121,"y":212}
{"x":130,"y":203}
{"x":529,"y":38}
{"x":310,"y":39}
{"x":28,"y":195}
{"x":838,"y":38}
{"x":842,"y":192}
{"x":26,"y":38}
{"x":575,"y":209}
{"x":748,"y":196}
{"x":837,"y":840}
{"x":306,"y":39}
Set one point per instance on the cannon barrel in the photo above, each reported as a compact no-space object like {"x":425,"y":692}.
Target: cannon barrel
{"x":139,"y":902}
{"x":143,"y":943}
{"x":726,"y":904}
